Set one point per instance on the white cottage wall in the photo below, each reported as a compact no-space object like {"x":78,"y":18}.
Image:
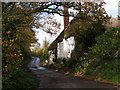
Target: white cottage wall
{"x":60,"y":50}
{"x":64,"y":48}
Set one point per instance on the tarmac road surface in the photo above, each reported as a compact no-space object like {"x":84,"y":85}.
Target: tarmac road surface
{"x":50,"y":79}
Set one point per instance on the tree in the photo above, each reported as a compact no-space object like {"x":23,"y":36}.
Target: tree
{"x":37,"y":52}
{"x":47,"y":23}
{"x":16,"y":39}
{"x":15,"y":30}
{"x":45,"y":49}
{"x":104,"y":56}
{"x":89,"y":24}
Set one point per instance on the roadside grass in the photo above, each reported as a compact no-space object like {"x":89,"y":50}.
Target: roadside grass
{"x":20,"y":78}
{"x":107,"y":70}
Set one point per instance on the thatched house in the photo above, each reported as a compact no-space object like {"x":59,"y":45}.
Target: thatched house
{"x":63,"y":45}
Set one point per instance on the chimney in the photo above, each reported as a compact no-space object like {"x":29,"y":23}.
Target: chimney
{"x":66,"y":18}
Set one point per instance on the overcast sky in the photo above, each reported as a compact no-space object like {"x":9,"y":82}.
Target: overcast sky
{"x":111,"y":7}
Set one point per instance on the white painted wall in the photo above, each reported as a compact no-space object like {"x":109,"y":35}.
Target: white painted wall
{"x":60,"y":50}
{"x":65,"y":48}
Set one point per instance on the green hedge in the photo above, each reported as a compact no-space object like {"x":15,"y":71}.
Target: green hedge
{"x":19,"y":78}
{"x":104,"y":56}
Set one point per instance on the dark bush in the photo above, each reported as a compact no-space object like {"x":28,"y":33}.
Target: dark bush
{"x":104,"y":56}
{"x":19,"y":78}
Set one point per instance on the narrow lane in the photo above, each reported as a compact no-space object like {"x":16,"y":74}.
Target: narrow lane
{"x":50,"y":79}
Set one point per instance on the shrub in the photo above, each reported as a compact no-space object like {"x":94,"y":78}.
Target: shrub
{"x":107,"y":46}
{"x":19,"y":78}
{"x":104,"y":56}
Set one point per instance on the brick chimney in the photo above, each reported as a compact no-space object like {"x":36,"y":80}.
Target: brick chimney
{"x":66,"y":18}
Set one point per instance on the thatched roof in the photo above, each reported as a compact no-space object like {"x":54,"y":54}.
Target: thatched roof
{"x":64,"y":34}
{"x":53,"y":45}
{"x":70,"y":31}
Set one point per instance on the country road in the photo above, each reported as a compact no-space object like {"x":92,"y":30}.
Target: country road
{"x":50,"y":79}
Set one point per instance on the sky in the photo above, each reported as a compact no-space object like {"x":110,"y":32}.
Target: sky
{"x":111,"y":8}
